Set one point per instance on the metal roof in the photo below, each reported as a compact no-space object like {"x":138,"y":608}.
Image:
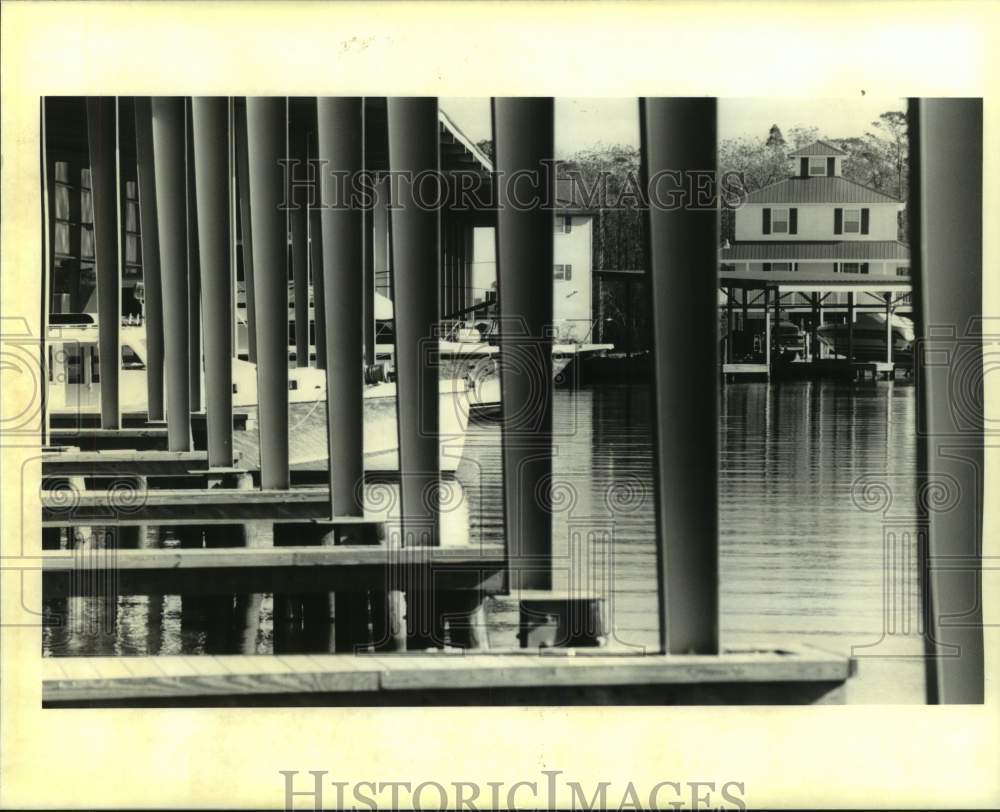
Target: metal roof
{"x":816,"y":149}
{"x":819,"y":190}
{"x":845,"y":251}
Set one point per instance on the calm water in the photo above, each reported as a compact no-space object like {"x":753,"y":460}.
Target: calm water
{"x":812,"y":549}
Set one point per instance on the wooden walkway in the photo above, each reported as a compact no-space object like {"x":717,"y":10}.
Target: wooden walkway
{"x":573,"y":676}
{"x":187,"y":506}
{"x":229,"y":570}
{"x":124,"y":462}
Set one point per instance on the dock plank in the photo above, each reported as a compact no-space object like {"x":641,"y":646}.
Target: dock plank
{"x":414,"y":674}
{"x":246,"y":570}
{"x":184,"y":506}
{"x":122,"y":462}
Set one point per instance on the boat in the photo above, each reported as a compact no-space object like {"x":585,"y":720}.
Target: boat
{"x":74,"y":388}
{"x":466,"y":352}
{"x":788,"y":340}
{"x":478,"y":360}
{"x":869,"y":337}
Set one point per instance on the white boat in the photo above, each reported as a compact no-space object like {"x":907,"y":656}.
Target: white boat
{"x":869,"y":337}
{"x":467,"y":354}
{"x":479,"y":362}
{"x":74,"y":387}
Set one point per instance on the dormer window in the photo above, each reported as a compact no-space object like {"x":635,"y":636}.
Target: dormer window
{"x":852,"y":221}
{"x":817,"y":166}
{"x":779,"y":221}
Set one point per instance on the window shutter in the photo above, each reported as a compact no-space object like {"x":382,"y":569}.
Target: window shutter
{"x":804,"y":167}
{"x":838,"y":221}
{"x":793,"y":221}
{"x":767,"y":221}
{"x":569,"y":272}
{"x":568,"y":224}
{"x":864,"y":221}
{"x":864,"y":267}
{"x":767,"y":266}
{"x":831,"y":166}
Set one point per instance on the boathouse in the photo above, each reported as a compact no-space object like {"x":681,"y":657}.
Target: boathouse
{"x":347,"y":581}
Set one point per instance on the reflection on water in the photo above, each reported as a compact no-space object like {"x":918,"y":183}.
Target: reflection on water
{"x":806,"y":528}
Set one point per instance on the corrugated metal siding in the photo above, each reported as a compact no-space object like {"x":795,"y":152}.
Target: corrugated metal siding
{"x":788,"y":251}
{"x":818,"y":190}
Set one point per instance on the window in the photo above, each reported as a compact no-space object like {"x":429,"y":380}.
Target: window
{"x":564,"y":225}
{"x":850,"y":267}
{"x":562,"y":271}
{"x":903,"y":270}
{"x":852,"y":221}
{"x":779,"y":221}
{"x":817,"y":166}
{"x":781,"y":266}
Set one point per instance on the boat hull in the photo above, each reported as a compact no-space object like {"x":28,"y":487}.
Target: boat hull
{"x":869,"y":339}
{"x":74,"y":388}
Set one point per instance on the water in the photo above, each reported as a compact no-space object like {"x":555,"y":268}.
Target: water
{"x":811,"y":549}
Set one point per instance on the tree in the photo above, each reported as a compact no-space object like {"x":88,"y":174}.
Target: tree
{"x":893,"y":138}
{"x":757,"y":164}
{"x":803,"y":136}
{"x":775,"y":139}
{"x":760,"y":165}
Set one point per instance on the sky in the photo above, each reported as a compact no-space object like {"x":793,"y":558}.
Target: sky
{"x":582,"y":123}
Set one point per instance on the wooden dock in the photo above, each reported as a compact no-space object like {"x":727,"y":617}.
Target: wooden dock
{"x":125,"y":462}
{"x":559,"y":676}
{"x":732,"y":372}
{"x":342,"y":580}
{"x":241,"y":570}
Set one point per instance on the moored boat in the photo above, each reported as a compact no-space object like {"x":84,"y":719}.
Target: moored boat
{"x":869,"y":337}
{"x":74,"y":387}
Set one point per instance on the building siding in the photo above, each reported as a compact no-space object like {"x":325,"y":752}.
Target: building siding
{"x":816,"y":222}
{"x":572,"y":299}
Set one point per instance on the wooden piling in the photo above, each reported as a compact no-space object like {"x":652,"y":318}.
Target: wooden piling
{"x":150,"y":239}
{"x":524,"y":138}
{"x":413,"y":150}
{"x":168,"y":160}
{"x":767,"y":329}
{"x":888,"y":328}
{"x":339,"y":128}
{"x":730,"y":325}
{"x":266,"y":137}
{"x":946,"y":222}
{"x":850,"y":327}
{"x":195,"y":361}
{"x":679,"y":134}
{"x":211,"y":128}
{"x":102,"y":132}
